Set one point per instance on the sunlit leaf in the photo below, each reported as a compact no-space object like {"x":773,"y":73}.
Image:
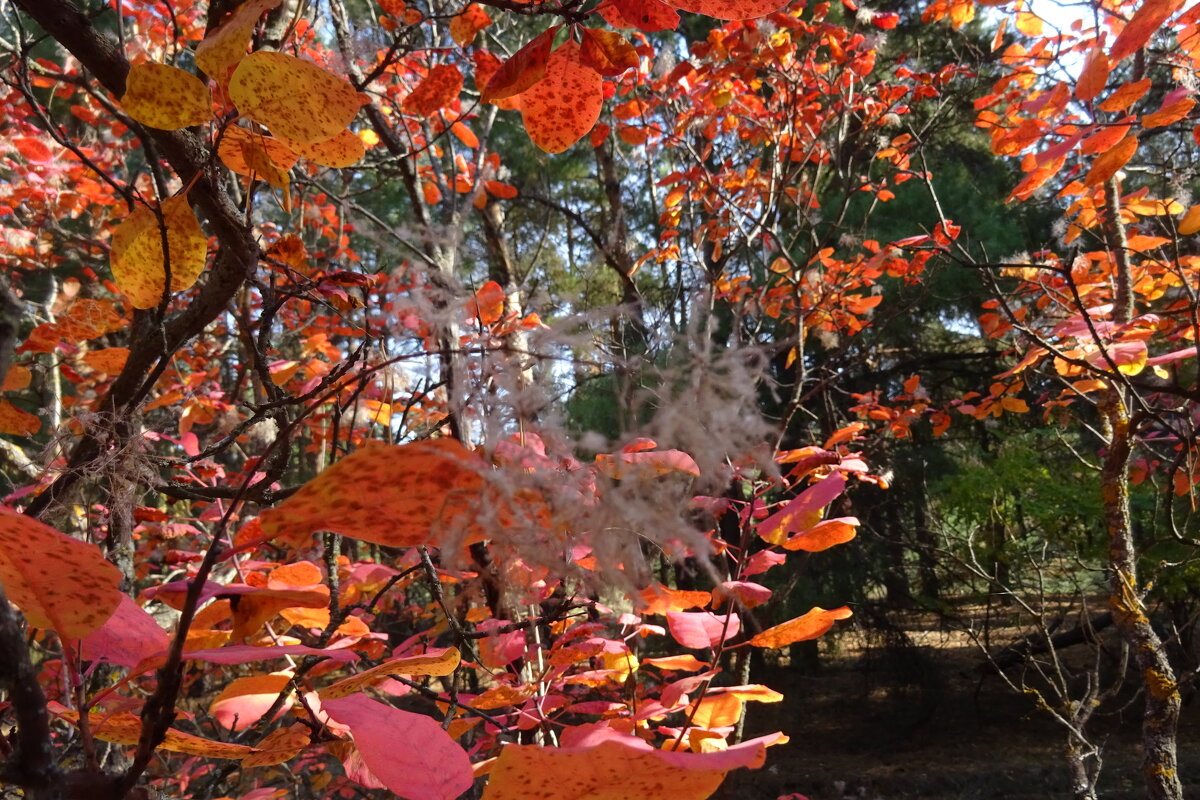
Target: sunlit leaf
{"x":466,"y":25}
{"x":798,"y":513}
{"x":17,"y":422}
{"x":127,"y":638}
{"x":136,"y":256}
{"x":110,"y":360}
{"x":823,"y":535}
{"x":256,"y":156}
{"x":166,"y":97}
{"x":645,"y":15}
{"x":433,"y":663}
{"x":58,"y":582}
{"x":526,"y":67}
{"x":1109,"y":163}
{"x":278,"y":746}
{"x":397,"y":496}
{"x":436,"y":90}
{"x":700,"y":629}
{"x":225,"y":47}
{"x":607,"y":52}
{"x":1149,"y":17}
{"x":598,"y":763}
{"x":243,"y":701}
{"x":344,"y":150}
{"x":807,"y":626}
{"x":1093,"y":76}
{"x":293,"y":97}
{"x":729,"y":9}
{"x":125,"y":728}
{"x":560,"y":109}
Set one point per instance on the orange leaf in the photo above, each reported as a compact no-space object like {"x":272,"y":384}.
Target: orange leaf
{"x":807,"y":626}
{"x":465,"y":26}
{"x":823,"y":535}
{"x":645,"y":15}
{"x":59,"y":582}
{"x":1171,"y":111}
{"x":126,"y":728}
{"x":18,"y":378}
{"x":1107,"y":165}
{"x":1126,"y":95}
{"x":436,"y":90}
{"x":599,"y":763}
{"x":344,"y":150}
{"x":526,"y":67}
{"x":1093,"y":76}
{"x":110,"y":360}
{"x":607,"y":52}
{"x":1190,"y":222}
{"x":1149,"y":17}
{"x":394,"y":495}
{"x":16,"y":422}
{"x":278,"y":746}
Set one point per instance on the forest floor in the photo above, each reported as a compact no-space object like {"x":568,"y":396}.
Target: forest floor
{"x":915,"y":718}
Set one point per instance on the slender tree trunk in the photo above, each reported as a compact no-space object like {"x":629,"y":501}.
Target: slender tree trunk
{"x":1160,"y":716}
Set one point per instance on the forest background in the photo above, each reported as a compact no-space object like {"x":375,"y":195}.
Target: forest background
{"x":491,"y":399}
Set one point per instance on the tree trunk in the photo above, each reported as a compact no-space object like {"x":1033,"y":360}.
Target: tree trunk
{"x":1160,"y":717}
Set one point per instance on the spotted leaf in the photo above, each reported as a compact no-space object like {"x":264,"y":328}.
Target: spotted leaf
{"x":165,"y":97}
{"x":136,"y":256}
{"x":293,"y":97}
{"x":225,"y":47}
{"x":58,"y":582}
{"x":560,"y":109}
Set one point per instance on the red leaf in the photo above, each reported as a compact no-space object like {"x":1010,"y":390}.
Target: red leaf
{"x":645,"y":15}
{"x":730,"y":9}
{"x":526,"y":67}
{"x":561,"y":108}
{"x":409,"y":753}
{"x":794,"y":516}
{"x":436,"y":90}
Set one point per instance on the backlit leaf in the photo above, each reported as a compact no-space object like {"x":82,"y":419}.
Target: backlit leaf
{"x":408,"y":753}
{"x":344,"y":150}
{"x":797,"y":514}
{"x":1126,"y":95}
{"x":526,"y":67}
{"x":1190,"y":222}
{"x":125,"y":728}
{"x":256,"y":156}
{"x":225,"y":47}
{"x":1174,"y":108}
{"x":399,"y":496}
{"x":730,"y":9}
{"x":561,"y":108}
{"x":807,"y":626}
{"x":823,"y":535}
{"x":293,"y":97}
{"x":17,"y":422}
{"x":433,"y":663}
{"x":645,"y":15}
{"x":646,"y":464}
{"x":436,"y":90}
{"x":1093,"y":76}
{"x":607,"y":52}
{"x":1146,"y":20}
{"x":58,"y":582}
{"x":278,"y":746}
{"x":165,"y":97}
{"x":700,"y":629}
{"x":110,"y":360}
{"x":598,"y":763}
{"x":17,"y":378}
{"x":465,"y":26}
{"x":136,"y":256}
{"x":127,"y":638}
{"x":1109,"y":163}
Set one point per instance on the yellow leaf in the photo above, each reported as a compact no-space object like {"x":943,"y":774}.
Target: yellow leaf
{"x":166,"y":97}
{"x":343,"y":150}
{"x":278,"y":746}
{"x":126,"y":728}
{"x":137,"y":254}
{"x":222,"y":49}
{"x":293,"y":97}
{"x":442,"y":663}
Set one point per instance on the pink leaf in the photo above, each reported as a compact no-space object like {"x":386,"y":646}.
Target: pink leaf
{"x":409,"y":753}
{"x":792,"y":518}
{"x":127,"y":637}
{"x":700,"y":629}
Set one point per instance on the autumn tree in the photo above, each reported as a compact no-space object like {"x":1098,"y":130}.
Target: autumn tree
{"x":271,"y":374}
